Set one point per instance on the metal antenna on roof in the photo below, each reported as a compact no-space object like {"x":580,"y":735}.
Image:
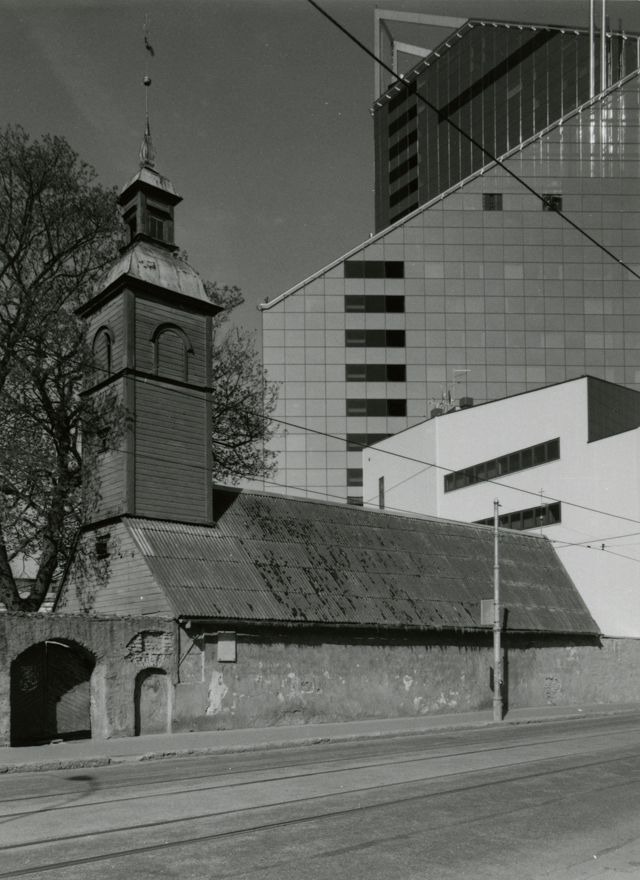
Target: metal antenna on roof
{"x":147,"y":150}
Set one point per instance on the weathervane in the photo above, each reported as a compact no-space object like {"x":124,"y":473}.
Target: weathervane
{"x":147,"y":150}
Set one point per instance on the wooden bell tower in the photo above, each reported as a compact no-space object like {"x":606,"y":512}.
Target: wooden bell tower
{"x":149,"y":323}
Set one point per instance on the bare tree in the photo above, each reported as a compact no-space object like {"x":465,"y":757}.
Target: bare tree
{"x":58,"y":231}
{"x":243,"y":398}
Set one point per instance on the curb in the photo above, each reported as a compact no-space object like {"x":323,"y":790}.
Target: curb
{"x":172,"y":754}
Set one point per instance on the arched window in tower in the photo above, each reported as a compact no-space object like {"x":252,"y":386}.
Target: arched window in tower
{"x":103,"y":353}
{"x":171,"y":350}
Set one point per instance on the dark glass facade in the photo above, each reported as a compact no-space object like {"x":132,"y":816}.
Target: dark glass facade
{"x":499,"y":83}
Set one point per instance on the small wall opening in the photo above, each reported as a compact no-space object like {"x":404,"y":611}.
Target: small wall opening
{"x":51,"y":693}
{"x":152,"y":705}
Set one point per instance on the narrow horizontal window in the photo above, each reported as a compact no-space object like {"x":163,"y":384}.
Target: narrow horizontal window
{"x":394,"y":304}
{"x":375,"y":373}
{"x":396,"y":373}
{"x":531,"y":518}
{"x":507,"y":464}
{"x":492,"y":201}
{"x":374,"y":269}
{"x":355,"y":373}
{"x":355,"y":338}
{"x":376,"y":406}
{"x":374,"y":304}
{"x":552,"y":202}
{"x":395,"y":338}
{"x":553,"y":449}
{"x":403,"y":168}
{"x":353,"y":302}
{"x":357,"y":442}
{"x":396,"y":407}
{"x":374,"y":338}
{"x":404,"y":191}
{"x":404,"y":119}
{"x":355,"y":500}
{"x":356,"y":406}
{"x":403,"y":143}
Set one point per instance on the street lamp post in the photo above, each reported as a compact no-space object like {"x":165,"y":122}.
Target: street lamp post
{"x":497,"y":655}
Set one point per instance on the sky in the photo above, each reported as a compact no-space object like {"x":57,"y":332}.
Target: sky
{"x":259,"y":109}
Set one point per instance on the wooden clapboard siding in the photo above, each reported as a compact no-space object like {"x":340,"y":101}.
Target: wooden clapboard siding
{"x":109,"y":485}
{"x":111,"y":314}
{"x":171,"y":356}
{"x":124,"y":585}
{"x":149,"y":315}
{"x":106,"y":492}
{"x":171,"y":475}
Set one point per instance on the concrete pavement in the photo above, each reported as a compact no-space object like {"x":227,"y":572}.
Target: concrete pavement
{"x":98,"y":753}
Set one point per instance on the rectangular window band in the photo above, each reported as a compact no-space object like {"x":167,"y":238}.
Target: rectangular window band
{"x":376,"y":406}
{"x":374,"y":268}
{"x":375,"y":373}
{"x":373,"y":304}
{"x":532,"y":518}
{"x":506,"y":464}
{"x":374,"y":338}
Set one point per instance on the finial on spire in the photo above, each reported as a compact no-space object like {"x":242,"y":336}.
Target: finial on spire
{"x":147,"y":150}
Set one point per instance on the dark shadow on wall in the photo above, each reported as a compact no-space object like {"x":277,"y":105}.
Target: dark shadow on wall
{"x":51,"y":693}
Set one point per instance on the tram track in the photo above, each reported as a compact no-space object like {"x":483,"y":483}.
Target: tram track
{"x":360,"y":790}
{"x":257,"y":828}
{"x":436,"y":754}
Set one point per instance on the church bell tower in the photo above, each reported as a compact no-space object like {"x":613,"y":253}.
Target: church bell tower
{"x":149,"y":324}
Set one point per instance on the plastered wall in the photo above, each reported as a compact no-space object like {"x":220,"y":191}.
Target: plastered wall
{"x":121,"y":648}
{"x":295,"y":676}
{"x":290,"y":677}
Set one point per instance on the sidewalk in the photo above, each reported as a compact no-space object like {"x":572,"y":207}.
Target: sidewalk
{"x":99,"y":753}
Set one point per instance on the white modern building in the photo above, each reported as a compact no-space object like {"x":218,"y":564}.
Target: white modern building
{"x":484,"y":284}
{"x":564,"y":460}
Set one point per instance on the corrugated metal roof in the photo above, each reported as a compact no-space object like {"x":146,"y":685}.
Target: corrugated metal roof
{"x":272,"y":558}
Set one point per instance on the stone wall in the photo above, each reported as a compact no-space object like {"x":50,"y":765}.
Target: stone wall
{"x":118,"y":649}
{"x":149,"y":674}
{"x":295,"y":676}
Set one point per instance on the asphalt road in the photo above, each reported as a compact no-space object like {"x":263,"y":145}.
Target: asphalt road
{"x":556,"y":800}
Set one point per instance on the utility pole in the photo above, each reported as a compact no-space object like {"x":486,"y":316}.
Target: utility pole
{"x":592,"y":50}
{"x":603,"y":47}
{"x":497,"y":654}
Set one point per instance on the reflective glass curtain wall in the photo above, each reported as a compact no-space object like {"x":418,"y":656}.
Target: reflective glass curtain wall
{"x":499,"y":83}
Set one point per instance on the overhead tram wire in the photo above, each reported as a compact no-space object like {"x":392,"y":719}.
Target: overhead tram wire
{"x":473,"y":141}
{"x":413,"y":514}
{"x":426,"y":464}
{"x":400,"y":510}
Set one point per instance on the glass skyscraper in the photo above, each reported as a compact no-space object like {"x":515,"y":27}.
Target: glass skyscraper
{"x":501,"y":84}
{"x":482,"y":290}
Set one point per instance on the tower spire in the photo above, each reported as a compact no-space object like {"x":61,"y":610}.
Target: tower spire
{"x":147,"y":150}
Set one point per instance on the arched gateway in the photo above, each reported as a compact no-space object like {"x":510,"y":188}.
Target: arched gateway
{"x":51,"y":693}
